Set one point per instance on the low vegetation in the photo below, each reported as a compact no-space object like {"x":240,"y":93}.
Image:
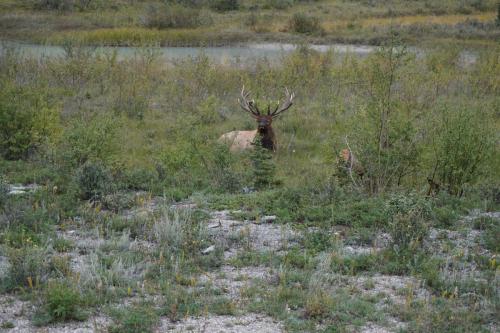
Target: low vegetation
{"x":224,"y":22}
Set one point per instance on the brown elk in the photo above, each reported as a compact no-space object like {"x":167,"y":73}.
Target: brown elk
{"x":242,"y":140}
{"x":351,"y":163}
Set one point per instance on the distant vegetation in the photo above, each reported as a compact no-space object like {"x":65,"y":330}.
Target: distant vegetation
{"x":171,"y":22}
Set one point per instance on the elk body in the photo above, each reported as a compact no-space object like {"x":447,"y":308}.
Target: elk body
{"x":351,"y":162}
{"x":242,"y":140}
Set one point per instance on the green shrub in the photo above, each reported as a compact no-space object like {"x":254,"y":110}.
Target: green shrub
{"x":207,"y":110}
{"x":491,"y":234}
{"x":264,"y":169}
{"x":87,"y":139}
{"x":464,"y":142}
{"x":94,"y":181}
{"x":62,"y":244}
{"x":304,"y":24}
{"x":26,"y":121}
{"x":497,"y":21}
{"x":29,"y":266}
{"x":445,"y":216}
{"x":224,"y":177}
{"x":61,"y":302}
{"x":118,"y":201}
{"x":180,"y":302}
{"x":7,"y":325}
{"x":172,"y":16}
{"x":354,"y":264}
{"x":407,"y":220}
{"x":4,"y":191}
{"x":318,"y":241}
{"x":385,"y":139}
{"x":63,"y":5}
{"x":134,"y":319}
{"x":223,"y":306}
{"x":69,"y":5}
{"x":224,"y":5}
{"x":278,"y":4}
{"x":139,"y":179}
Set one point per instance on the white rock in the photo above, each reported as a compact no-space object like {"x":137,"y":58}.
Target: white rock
{"x":208,"y":250}
{"x":21,"y":189}
{"x":268,"y":219}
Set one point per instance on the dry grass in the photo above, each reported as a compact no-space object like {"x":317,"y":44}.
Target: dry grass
{"x":333,"y":25}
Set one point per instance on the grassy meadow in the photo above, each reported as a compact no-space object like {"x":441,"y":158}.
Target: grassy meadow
{"x":224,"y":22}
{"x":141,"y":222}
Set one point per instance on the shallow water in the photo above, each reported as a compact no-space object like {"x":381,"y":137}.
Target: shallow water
{"x":227,"y":54}
{"x":231,"y":55}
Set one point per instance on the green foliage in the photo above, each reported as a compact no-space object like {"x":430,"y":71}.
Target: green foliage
{"x":73,"y":5}
{"x":184,"y":234}
{"x":359,"y":212}
{"x":61,"y":302}
{"x":222,"y":168}
{"x":139,"y":179}
{"x":207,"y":110}
{"x":464,"y":142}
{"x":134,"y":319}
{"x":225,"y":5}
{"x":408,"y":217}
{"x":63,"y":5}
{"x":61,"y":244}
{"x":387,"y":139}
{"x":94,"y":181}
{"x":88,"y":140}
{"x":445,"y":216}
{"x":305,"y":24}
{"x":180,"y":302}
{"x":27,"y":121}
{"x":318,"y":241}
{"x":7,"y":325}
{"x":497,"y":21}
{"x":172,"y":16}
{"x":4,"y":191}
{"x":263,"y":165}
{"x":278,"y":4}
{"x":491,"y":227}
{"x":223,"y":306}
{"x":443,"y":315}
{"x":353,"y":265}
{"x":29,"y":266}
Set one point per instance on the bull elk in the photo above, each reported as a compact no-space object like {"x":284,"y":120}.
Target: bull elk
{"x":242,"y":140}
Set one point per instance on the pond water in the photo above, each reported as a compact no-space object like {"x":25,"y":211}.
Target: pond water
{"x":226,"y":54}
{"x":232,"y":55}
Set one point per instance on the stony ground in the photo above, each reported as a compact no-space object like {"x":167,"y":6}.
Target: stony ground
{"x":262,"y":235}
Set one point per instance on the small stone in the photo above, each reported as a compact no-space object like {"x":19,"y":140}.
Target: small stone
{"x":268,"y":219}
{"x":214,"y":225}
{"x":208,"y":250}
{"x":22,"y":189}
{"x":433,"y":234}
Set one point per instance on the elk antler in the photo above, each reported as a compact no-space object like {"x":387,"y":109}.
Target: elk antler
{"x":247,"y":105}
{"x":286,"y":105}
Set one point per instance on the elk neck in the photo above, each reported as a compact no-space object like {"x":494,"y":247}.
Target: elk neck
{"x":266,"y":134}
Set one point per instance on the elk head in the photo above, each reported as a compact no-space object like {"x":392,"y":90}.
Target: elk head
{"x":265,"y":119}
